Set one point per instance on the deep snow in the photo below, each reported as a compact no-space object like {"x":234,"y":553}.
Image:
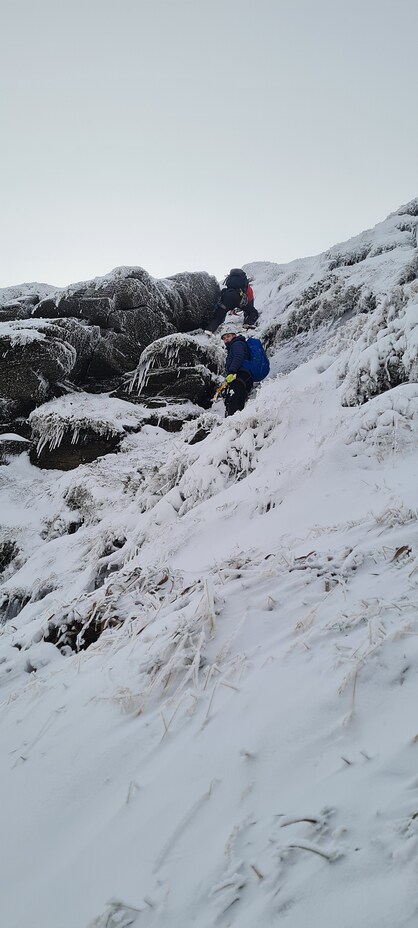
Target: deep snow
{"x":240,"y":745}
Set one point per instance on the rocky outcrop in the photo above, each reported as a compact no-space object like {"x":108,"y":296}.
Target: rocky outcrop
{"x":15,"y":310}
{"x":79,"y":427}
{"x":70,"y":454}
{"x":11,"y":445}
{"x":180,"y":366}
{"x":176,"y":377}
{"x":131,"y":310}
{"x":32,"y":360}
{"x":36,"y":357}
{"x":19,"y":302}
{"x":92,"y":333}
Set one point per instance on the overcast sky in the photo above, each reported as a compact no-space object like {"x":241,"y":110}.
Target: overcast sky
{"x":199,"y":134}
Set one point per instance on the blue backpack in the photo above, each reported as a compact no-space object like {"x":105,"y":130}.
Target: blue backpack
{"x":258,"y":364}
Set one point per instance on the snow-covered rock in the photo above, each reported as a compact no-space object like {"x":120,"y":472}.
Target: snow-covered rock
{"x":180,"y":366}
{"x":133,"y":309}
{"x":104,"y":323}
{"x":18,"y":302}
{"x":79,"y":427}
{"x":36,"y":356}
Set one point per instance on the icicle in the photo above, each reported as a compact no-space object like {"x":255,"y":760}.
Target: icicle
{"x":140,"y":377}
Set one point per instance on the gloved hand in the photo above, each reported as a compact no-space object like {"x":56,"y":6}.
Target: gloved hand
{"x":230,"y":378}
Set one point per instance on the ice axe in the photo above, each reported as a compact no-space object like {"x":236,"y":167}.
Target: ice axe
{"x":220,"y":390}
{"x":224,"y":386}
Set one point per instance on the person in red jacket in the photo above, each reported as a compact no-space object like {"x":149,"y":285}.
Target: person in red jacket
{"x":237,"y":295}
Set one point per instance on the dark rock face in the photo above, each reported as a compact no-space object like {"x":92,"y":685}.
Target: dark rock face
{"x":18,"y":302}
{"x":95,"y":333}
{"x":179,"y":366}
{"x":36,"y":357}
{"x":11,"y":311}
{"x":8,"y":551}
{"x":85,"y":340}
{"x":31,"y":361}
{"x":69,"y":455}
{"x":11,"y":446}
{"x":131,"y":310}
{"x":181,"y":384}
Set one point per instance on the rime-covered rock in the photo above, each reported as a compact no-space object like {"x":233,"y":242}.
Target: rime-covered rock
{"x":79,"y":427}
{"x":12,"y":444}
{"x":18,"y":302}
{"x":132,"y":310}
{"x":34,"y":357}
{"x":93,"y":332}
{"x":86,"y":340}
{"x":15,"y":310}
{"x":180,"y":366}
{"x":38,"y":355}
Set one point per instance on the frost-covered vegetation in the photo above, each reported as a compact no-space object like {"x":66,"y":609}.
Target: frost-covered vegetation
{"x":386,"y":353}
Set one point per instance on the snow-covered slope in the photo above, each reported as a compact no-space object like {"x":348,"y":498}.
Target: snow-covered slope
{"x":209,"y":669}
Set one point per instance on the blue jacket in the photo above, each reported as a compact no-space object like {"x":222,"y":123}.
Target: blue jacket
{"x":238,"y":351}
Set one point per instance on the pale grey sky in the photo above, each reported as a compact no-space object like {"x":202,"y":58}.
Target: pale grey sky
{"x":199,"y":134}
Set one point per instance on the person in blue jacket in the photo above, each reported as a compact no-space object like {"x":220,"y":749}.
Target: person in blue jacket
{"x":240,"y":381}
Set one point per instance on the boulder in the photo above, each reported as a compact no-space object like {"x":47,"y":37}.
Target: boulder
{"x":32,"y":359}
{"x":180,"y":366}
{"x":86,"y":341}
{"x":18,"y":302}
{"x":11,"y":311}
{"x":93,"y":333}
{"x":12,"y":444}
{"x":79,"y":427}
{"x":35,"y":357}
{"x":131,"y":310}
{"x":69,"y":454}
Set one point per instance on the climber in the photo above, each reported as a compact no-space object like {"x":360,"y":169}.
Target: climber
{"x":236,"y":295}
{"x":239,"y":382}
